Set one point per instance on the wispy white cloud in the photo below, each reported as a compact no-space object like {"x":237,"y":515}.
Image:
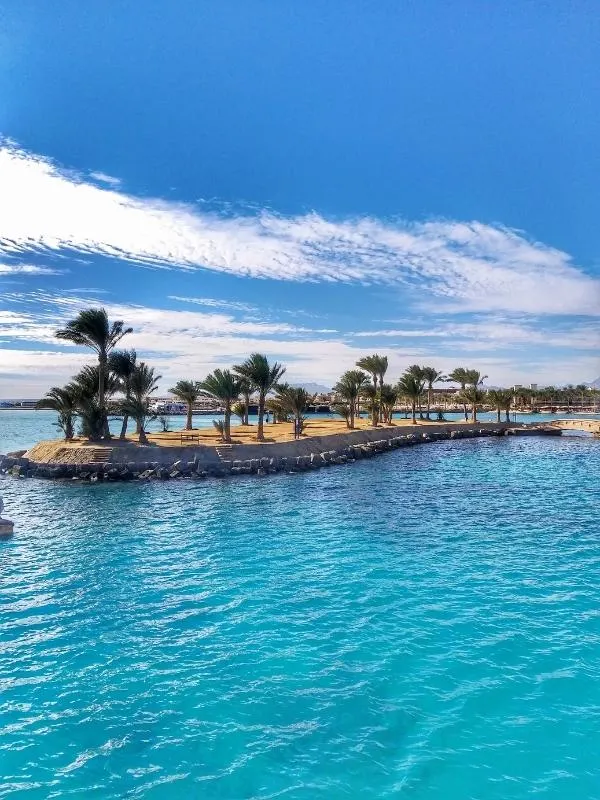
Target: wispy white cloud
{"x":455,"y":266}
{"x":210,"y":302}
{"x":104,"y":178}
{"x":191,"y":343}
{"x":28,"y":269}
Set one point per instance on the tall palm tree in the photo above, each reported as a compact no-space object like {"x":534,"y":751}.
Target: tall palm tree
{"x":460,"y":375}
{"x":188,"y":392}
{"x":371,"y":365}
{"x":143,"y":382}
{"x":92,"y":328}
{"x":295,"y":400}
{"x":376,"y":366}
{"x":417,"y":372}
{"x":349,"y":389}
{"x":262,"y":377}
{"x":431,"y":376}
{"x":122,"y":363}
{"x":226,"y":387}
{"x":64,"y":401}
{"x":474,"y":381}
{"x":411,"y":387}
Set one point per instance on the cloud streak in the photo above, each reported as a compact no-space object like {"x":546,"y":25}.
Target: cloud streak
{"x":452,"y":266}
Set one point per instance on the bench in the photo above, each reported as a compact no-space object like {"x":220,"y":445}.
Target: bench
{"x":190,"y":437}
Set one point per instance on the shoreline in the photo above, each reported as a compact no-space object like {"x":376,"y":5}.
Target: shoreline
{"x":130,"y":461}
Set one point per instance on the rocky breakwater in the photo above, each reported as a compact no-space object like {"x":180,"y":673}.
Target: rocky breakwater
{"x":291,"y":457}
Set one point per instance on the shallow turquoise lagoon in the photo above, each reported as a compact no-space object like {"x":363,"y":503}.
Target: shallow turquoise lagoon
{"x":425,"y":624}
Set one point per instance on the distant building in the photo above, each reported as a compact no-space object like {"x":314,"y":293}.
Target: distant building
{"x":533,"y":386}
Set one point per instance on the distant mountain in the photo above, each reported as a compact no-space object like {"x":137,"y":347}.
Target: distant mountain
{"x":594,"y":384}
{"x":313,"y":388}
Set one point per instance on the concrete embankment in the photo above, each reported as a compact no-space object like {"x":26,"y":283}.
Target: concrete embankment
{"x":136,"y":462}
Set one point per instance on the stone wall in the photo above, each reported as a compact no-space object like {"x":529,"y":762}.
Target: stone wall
{"x":164,"y":463}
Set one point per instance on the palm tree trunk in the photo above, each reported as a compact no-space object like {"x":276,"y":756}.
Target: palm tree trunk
{"x":188,"y":422}
{"x":124,"y":426}
{"x":227,"y":430}
{"x":474,"y":411}
{"x":261,"y":412}
{"x":374,"y":407}
{"x":498,"y":411}
{"x":102,"y":366}
{"x":351,"y":425}
{"x":414,"y":411}
{"x":246,"y":419}
{"x":429,"y":395}
{"x":143,"y":438}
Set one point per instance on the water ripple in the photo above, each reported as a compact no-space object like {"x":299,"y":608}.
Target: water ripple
{"x":422,"y":624}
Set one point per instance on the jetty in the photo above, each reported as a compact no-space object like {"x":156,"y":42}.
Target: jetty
{"x":586,"y":425}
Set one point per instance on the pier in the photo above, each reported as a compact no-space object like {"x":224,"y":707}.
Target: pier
{"x":587,"y":425}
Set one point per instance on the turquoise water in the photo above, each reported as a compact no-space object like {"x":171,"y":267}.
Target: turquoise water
{"x":425,"y":624}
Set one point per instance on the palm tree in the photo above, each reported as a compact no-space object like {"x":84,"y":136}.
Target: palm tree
{"x":417,"y":372}
{"x":64,"y":401}
{"x":188,"y":392}
{"x":91,"y":328}
{"x":225,"y":387}
{"x":475,"y":396}
{"x":345,"y":411}
{"x":376,"y":366}
{"x":295,"y":400}
{"x":142,"y":383}
{"x":460,"y":375}
{"x":122,"y":364}
{"x":501,"y":399}
{"x":274,"y":406}
{"x":431,"y":376}
{"x":349,"y":389}
{"x":245,"y":391}
{"x":411,"y":387}
{"x":239,"y":409}
{"x":370,"y":396}
{"x":388,"y":397}
{"x":84,"y":387}
{"x":262,"y":376}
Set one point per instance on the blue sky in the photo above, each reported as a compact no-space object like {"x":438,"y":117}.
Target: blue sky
{"x":314,"y":180}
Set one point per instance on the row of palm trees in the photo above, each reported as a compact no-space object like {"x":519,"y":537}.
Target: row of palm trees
{"x":89,"y":396}
{"x":86,"y":397}
{"x":579,"y":395}
{"x":366,"y":385}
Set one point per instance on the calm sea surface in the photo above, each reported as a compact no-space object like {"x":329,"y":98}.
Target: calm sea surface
{"x":425,"y":625}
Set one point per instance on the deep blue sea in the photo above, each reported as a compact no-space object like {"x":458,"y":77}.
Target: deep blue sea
{"x":425,"y":624}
